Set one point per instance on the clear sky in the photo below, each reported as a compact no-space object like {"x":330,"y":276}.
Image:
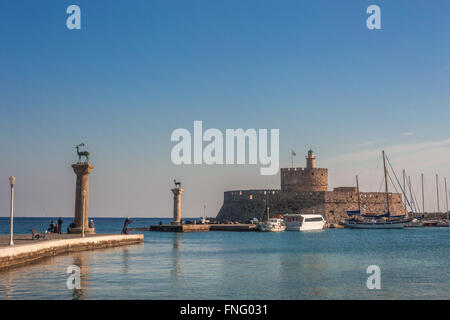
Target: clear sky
{"x":137,"y":70}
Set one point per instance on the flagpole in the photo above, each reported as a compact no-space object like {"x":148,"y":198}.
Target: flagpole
{"x":292,"y":157}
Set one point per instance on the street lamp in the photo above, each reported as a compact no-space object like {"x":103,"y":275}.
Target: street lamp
{"x":83,"y":193}
{"x":12,"y":181}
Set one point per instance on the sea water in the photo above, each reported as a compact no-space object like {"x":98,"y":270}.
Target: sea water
{"x":329,"y":264}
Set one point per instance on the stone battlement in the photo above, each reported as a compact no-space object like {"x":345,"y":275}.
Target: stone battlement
{"x":304,"y":179}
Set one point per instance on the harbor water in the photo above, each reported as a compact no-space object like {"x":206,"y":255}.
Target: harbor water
{"x":329,"y":264}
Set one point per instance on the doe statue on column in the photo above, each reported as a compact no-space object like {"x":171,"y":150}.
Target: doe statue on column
{"x":82,"y":171}
{"x":177,"y":191}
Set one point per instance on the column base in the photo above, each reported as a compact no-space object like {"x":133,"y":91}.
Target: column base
{"x":78,"y":230}
{"x":175,"y":223}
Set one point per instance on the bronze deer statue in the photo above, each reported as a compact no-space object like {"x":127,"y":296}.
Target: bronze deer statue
{"x":82,"y":153}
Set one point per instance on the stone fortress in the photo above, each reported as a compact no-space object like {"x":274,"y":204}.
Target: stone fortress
{"x":305,"y":190}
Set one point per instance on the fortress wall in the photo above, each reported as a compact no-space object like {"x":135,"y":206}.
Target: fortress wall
{"x":338,"y":203}
{"x":305,"y":190}
{"x":333,"y":205}
{"x":247,"y":204}
{"x":304,"y":179}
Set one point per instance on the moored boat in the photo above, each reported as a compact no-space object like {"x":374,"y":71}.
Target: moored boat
{"x":303,"y":222}
{"x":272,"y":225}
{"x":356,"y":220}
{"x":415,"y":223}
{"x":368,"y":222}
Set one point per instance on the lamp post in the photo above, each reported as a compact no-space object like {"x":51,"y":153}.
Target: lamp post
{"x":12,"y":181}
{"x":83,"y":193}
{"x":204,"y":213}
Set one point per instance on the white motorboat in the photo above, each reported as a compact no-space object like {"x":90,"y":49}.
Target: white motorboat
{"x":273,"y":225}
{"x":303,"y":222}
{"x":415,"y":223}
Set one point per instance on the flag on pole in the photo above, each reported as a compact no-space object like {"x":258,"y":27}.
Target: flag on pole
{"x":292,"y":157}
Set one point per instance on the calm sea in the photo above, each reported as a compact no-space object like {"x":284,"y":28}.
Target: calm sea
{"x":330,"y":264}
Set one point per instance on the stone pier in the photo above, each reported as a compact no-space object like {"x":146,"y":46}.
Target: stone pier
{"x":82,"y":170}
{"x":27,"y":250}
{"x":177,"y":205}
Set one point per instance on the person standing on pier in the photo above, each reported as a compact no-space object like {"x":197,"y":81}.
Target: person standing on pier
{"x":60,"y":221}
{"x":125,"y":229}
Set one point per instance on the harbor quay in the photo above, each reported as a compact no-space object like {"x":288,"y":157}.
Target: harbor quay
{"x":177,"y":226}
{"x":199,"y":227}
{"x":27,"y":250}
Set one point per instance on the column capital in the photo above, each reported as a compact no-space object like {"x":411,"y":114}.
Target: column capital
{"x":177,"y":191}
{"x":82,"y":168}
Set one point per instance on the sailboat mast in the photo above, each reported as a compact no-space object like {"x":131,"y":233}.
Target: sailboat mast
{"x":404,"y":189}
{"x":437,"y":194}
{"x":357,"y":189}
{"x":386,"y":181}
{"x":410,"y":193}
{"x":446,"y":195}
{"x":423,"y":197}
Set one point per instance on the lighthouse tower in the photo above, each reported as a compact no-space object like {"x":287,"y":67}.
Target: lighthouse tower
{"x":305,"y":179}
{"x":310,"y":160}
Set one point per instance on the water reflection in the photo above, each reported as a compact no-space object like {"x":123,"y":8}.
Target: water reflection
{"x":250,"y":265}
{"x":81,"y":260}
{"x":176,"y":263}
{"x":125,"y":259}
{"x":304,"y":275}
{"x":6,"y":287}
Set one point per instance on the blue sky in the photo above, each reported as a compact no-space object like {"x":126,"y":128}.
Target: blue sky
{"x":137,"y":70}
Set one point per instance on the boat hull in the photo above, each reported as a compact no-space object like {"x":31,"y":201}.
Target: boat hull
{"x":264,"y":228}
{"x":308,"y":226}
{"x":375,"y":225}
{"x":304,"y":222}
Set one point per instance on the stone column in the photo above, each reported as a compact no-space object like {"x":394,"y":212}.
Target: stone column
{"x":82,"y":170}
{"x":177,"y":205}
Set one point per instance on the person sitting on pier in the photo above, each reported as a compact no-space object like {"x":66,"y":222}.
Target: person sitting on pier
{"x":91,"y":223}
{"x":52,"y":227}
{"x":71,"y":225}
{"x":125,"y":229}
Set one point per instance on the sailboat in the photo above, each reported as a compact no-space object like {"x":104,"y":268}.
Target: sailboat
{"x":357,"y":220}
{"x":437,"y":222}
{"x":416,"y":222}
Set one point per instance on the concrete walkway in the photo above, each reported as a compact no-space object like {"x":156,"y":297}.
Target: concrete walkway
{"x":26,"y":238}
{"x":26,"y":250}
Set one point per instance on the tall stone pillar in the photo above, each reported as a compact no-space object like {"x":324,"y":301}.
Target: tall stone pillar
{"x":82,"y":170}
{"x":177,"y":205}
